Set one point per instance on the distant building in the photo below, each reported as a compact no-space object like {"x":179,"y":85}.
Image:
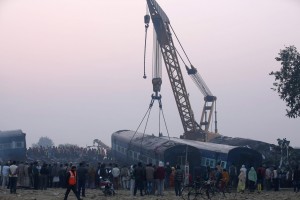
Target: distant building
{"x":12,"y":145}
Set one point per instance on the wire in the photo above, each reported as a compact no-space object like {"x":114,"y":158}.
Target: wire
{"x":180,"y":44}
{"x":180,"y":57}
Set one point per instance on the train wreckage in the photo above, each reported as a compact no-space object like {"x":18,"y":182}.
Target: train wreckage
{"x":130,"y":147}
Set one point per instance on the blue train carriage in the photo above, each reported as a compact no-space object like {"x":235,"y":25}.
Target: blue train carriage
{"x":127,"y":149}
{"x":212,"y":153}
{"x":12,"y":145}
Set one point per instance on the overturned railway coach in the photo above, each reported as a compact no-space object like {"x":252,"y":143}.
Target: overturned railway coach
{"x":129,"y":147}
{"x":12,"y":145}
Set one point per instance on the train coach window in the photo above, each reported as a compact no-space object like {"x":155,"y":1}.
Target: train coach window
{"x":7,"y":146}
{"x":223,"y":164}
{"x":208,"y":162}
{"x":19,"y":145}
{"x":203,"y":160}
{"x":211,"y":162}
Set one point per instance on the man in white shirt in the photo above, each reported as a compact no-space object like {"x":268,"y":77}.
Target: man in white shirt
{"x":5,"y":175}
{"x":116,"y":173}
{"x":0,"y":172}
{"x":13,"y":177}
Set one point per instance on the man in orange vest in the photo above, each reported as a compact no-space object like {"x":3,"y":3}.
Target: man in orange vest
{"x":71,"y":183}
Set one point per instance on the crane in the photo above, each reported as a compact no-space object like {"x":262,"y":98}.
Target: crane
{"x":163,"y":30}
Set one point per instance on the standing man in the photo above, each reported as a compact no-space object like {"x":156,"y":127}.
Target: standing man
{"x":260,"y":177}
{"x":139,"y":174}
{"x":232,"y":175}
{"x":178,"y":180}
{"x":149,"y":178}
{"x":115,"y":173}
{"x":124,"y":177}
{"x":35,"y":174}
{"x":82,"y":174}
{"x":44,"y":172}
{"x":5,"y":175}
{"x":276,"y":179}
{"x":268,"y":174}
{"x":168,"y":171}
{"x":0,"y":172}
{"x":132,"y":172}
{"x":13,"y":177}
{"x":160,"y":175}
{"x":252,"y":177}
{"x":21,"y":173}
{"x":296,"y":179}
{"x":71,"y":178}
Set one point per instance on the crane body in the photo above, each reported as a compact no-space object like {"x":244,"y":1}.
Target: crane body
{"x":192,"y":130}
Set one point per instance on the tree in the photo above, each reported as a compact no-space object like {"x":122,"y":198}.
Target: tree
{"x":287,"y":80}
{"x":45,"y":142}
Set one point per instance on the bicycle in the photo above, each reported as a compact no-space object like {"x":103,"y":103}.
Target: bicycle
{"x":204,"y":190}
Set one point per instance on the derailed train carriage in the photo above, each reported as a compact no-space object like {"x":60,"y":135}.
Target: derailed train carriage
{"x":12,"y":145}
{"x":129,"y":147}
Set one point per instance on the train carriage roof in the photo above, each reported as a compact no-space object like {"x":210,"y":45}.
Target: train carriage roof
{"x":148,"y":142}
{"x":221,"y":148}
{"x":12,"y":133}
{"x":151,"y":142}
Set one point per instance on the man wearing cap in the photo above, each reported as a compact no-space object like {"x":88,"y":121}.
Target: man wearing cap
{"x":71,"y":179}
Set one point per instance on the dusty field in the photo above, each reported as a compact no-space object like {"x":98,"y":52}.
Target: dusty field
{"x":54,"y":194}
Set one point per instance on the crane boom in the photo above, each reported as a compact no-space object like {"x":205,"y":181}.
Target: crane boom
{"x":209,"y":99}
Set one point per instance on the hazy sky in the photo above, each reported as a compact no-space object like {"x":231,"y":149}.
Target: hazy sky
{"x":72,"y":69}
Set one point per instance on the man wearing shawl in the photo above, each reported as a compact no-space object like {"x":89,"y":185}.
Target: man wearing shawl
{"x":252,"y":177}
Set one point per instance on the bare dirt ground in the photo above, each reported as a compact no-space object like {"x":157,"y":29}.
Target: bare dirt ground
{"x":54,"y":194}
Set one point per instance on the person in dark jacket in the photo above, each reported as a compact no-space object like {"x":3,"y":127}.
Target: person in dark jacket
{"x":44,"y":172}
{"x":160,"y":177}
{"x":178,"y":179}
{"x":139,"y":178}
{"x":35,"y":174}
{"x":296,"y":179}
{"x":71,"y":178}
{"x":82,"y":173}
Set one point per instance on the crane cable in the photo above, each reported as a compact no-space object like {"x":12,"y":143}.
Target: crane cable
{"x":180,"y":46}
{"x":147,"y":113}
{"x":165,"y":122}
{"x":146,"y":21}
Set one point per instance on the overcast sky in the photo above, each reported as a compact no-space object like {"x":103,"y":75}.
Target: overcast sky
{"x":72,"y":69}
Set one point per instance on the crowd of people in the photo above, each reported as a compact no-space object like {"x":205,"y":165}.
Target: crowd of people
{"x":139,"y":179}
{"x":60,"y":153}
